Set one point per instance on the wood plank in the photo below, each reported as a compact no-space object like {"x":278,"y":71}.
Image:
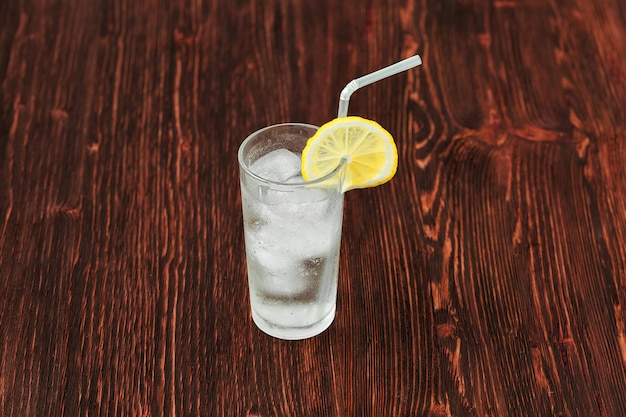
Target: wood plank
{"x":487,"y":279}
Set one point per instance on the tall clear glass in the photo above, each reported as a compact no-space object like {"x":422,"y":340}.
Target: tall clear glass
{"x":292,"y":234}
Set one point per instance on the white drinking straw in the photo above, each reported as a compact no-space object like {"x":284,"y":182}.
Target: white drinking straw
{"x":357,"y":83}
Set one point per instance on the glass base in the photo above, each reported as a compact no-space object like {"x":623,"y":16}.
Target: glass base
{"x":294,"y":333}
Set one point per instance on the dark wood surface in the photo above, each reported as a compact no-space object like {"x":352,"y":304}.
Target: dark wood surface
{"x":488,"y":278}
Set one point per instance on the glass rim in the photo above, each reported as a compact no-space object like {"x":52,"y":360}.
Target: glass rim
{"x":281,"y":184}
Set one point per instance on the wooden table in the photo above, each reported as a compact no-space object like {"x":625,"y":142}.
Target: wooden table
{"x":488,"y":278}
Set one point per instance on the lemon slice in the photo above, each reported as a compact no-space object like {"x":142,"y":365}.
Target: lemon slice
{"x":368,"y":152}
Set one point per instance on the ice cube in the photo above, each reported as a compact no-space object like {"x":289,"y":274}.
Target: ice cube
{"x":306,"y":194}
{"x":308,"y":240}
{"x":272,"y":260}
{"x":296,"y":179}
{"x":278,"y":274}
{"x":279,"y":165}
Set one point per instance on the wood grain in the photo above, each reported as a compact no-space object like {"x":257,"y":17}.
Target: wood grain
{"x":487,"y":279}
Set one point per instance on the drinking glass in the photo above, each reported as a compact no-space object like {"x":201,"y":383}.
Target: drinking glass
{"x":292,"y":232}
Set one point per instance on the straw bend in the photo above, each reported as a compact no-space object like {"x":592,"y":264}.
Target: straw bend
{"x":350,"y":88}
{"x":357,"y":83}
